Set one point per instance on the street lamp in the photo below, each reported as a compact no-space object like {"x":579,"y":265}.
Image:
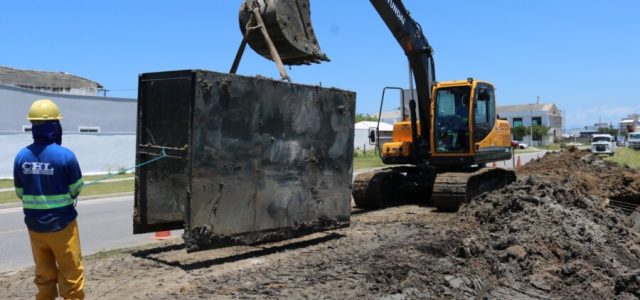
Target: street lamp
{"x":531,"y":125}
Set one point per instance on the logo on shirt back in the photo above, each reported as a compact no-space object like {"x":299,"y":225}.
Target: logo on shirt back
{"x":37,"y":168}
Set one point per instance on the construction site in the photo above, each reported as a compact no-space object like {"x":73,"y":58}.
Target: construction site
{"x":258,"y":176}
{"x":542,"y":237}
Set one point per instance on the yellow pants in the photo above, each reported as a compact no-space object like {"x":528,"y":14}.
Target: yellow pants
{"x":58,"y":262}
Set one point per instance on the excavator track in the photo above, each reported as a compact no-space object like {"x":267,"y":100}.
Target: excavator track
{"x":447,"y":191}
{"x":451,"y":189}
{"x":392,"y":186}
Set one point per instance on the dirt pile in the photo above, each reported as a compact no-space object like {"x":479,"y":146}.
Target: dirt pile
{"x":589,"y":175}
{"x":550,"y":233}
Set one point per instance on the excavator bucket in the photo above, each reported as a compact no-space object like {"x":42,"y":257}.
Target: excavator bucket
{"x":288,"y":24}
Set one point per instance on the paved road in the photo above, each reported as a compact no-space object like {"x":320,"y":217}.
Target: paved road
{"x":104,"y":224}
{"x":524,"y":158}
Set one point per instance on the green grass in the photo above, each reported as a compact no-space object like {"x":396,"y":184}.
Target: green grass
{"x":366,"y":162}
{"x":8,"y":183}
{"x":626,"y":157}
{"x":550,"y":147}
{"x":91,"y":190}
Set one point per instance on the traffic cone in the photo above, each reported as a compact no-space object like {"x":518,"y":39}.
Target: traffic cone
{"x":494,"y":165}
{"x":518,"y":164}
{"x":162,"y":235}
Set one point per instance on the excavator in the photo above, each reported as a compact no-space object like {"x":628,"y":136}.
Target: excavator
{"x":440,"y":148}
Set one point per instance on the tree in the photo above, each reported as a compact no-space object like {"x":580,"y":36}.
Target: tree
{"x":519,"y":132}
{"x":539,"y":132}
{"x":611,"y":131}
{"x":365,"y":117}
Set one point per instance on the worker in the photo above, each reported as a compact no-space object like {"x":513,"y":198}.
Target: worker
{"x":48,"y":179}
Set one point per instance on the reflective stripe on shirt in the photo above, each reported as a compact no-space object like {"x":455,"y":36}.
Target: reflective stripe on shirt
{"x":76,"y":188}
{"x":46,"y":201}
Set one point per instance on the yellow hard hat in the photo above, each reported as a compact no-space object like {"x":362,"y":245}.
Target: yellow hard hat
{"x":44,"y":110}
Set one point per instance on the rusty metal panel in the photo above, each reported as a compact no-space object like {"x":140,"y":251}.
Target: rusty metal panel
{"x":165,"y":102}
{"x":251,"y":159}
{"x":270,"y":160}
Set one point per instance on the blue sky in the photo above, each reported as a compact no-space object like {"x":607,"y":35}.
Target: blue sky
{"x":582,"y":55}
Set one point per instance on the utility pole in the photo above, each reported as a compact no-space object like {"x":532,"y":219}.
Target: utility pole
{"x":531,"y":124}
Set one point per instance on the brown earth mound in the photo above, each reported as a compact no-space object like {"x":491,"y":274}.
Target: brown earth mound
{"x":589,"y":175}
{"x":551,"y":231}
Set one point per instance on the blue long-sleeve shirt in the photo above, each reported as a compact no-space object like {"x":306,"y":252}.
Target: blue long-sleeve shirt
{"x":47,"y":178}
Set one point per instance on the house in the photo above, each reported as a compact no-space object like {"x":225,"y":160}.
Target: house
{"x":541,"y":114}
{"x":361,"y":134}
{"x":43,"y":81}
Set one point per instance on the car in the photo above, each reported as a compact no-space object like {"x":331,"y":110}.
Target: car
{"x":603,"y":144}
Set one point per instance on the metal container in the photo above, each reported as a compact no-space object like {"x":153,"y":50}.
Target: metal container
{"x":244,"y":160}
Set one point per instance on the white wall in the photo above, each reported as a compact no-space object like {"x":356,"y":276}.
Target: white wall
{"x":96,"y":153}
{"x":361,"y":140}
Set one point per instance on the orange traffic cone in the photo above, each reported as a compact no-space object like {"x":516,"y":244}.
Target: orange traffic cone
{"x":494,"y":165}
{"x":518,"y":164}
{"x":162,"y":235}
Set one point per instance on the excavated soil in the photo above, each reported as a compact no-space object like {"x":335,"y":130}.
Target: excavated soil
{"x":549,"y":235}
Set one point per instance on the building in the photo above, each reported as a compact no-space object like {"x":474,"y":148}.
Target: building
{"x":361,"y":134}
{"x":631,"y":122}
{"x":541,"y":114}
{"x":100,"y":130}
{"x":55,"y":82}
{"x":391,"y":116}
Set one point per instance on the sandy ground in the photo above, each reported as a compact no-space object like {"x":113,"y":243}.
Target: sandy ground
{"x":546,"y":236}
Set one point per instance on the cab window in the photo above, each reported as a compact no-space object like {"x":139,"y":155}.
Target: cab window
{"x":484,"y":111}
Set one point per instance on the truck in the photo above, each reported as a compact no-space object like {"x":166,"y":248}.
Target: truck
{"x":633,"y":140}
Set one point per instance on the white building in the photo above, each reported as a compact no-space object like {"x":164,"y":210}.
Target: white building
{"x":361,"y":134}
{"x":631,"y":122}
{"x":100,"y":130}
{"x":391,"y":116}
{"x":541,"y":114}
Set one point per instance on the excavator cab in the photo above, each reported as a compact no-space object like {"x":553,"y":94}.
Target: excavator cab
{"x":464,"y":128}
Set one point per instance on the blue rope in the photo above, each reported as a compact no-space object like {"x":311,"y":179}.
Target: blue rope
{"x":164,"y":154}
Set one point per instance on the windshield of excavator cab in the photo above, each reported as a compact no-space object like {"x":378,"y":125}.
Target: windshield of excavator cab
{"x":451,"y":120}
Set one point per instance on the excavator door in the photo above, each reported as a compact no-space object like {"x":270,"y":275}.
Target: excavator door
{"x":288,"y":23}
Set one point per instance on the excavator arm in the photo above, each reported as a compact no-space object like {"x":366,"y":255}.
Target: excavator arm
{"x":411,"y":38}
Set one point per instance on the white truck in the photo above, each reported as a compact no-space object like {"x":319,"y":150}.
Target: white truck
{"x":603,"y":144}
{"x":633,"y":140}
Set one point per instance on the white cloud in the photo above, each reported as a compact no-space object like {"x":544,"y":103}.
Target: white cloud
{"x":579,"y":117}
